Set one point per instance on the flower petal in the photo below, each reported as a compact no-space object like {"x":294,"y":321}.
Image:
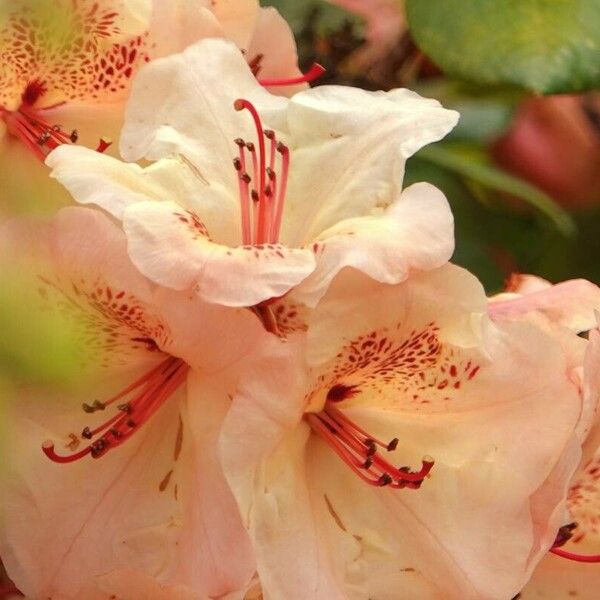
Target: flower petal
{"x":273,"y":39}
{"x":570,"y":303}
{"x":415,"y":233}
{"x":493,"y":502}
{"x":349,"y":151}
{"x":94,"y":178}
{"x":183,"y":104}
{"x":173,"y":248}
{"x":111,"y":33}
{"x":54,"y":514}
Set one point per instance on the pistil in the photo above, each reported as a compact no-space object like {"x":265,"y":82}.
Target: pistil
{"x":138,"y":402}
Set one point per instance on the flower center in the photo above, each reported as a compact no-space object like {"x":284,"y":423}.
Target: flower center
{"x":29,"y":125}
{"x":138,"y":402}
{"x":262,"y":194}
{"x":360,"y":450}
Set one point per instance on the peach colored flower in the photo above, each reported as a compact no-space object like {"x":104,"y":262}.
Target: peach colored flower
{"x":315,"y":184}
{"x":388,"y":452}
{"x":569,"y":305}
{"x":131,"y":482}
{"x":68,"y":66}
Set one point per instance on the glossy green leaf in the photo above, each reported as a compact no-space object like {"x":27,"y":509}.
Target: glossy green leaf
{"x":548,"y":46}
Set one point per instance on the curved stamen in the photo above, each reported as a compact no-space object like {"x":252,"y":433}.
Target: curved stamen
{"x":152,"y":390}
{"x":584,"y":558}
{"x":316,"y":70}
{"x":241,"y":104}
{"x":359,"y":451}
{"x":269,"y":188}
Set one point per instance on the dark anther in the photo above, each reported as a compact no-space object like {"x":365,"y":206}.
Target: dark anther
{"x":115,"y":432}
{"x":130,"y":423}
{"x":126,"y":408}
{"x":268,"y":191}
{"x":88,"y":408}
{"x":250,"y":146}
{"x":392,"y":445}
{"x":269,"y":134}
{"x":368,"y":463}
{"x":246,"y":178}
{"x":371,"y":448}
{"x":43,"y":138}
{"x":237,"y":163}
{"x":240,"y":142}
{"x":74,"y":135}
{"x":86,"y":433}
{"x":98,"y":447}
{"x":565,"y":533}
{"x":254,"y":195}
{"x":270,"y":173}
{"x":55,"y":128}
{"x":385,"y":479}
{"x":99,"y":405}
{"x":280,"y":147}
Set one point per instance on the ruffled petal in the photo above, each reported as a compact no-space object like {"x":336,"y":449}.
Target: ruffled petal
{"x":183,"y":104}
{"x":415,"y":233}
{"x":572,"y":304}
{"x":95,"y":178}
{"x":349,"y":151}
{"x":427,"y":367}
{"x":173,"y":248}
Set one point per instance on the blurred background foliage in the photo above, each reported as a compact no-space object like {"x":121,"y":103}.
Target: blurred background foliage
{"x":521,"y":170}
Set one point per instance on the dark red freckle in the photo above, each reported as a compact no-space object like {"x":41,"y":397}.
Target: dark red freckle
{"x":315,"y":247}
{"x":340,"y":392}
{"x":457,"y":385}
{"x":442,"y":385}
{"x":453,"y":370}
{"x":473,"y":372}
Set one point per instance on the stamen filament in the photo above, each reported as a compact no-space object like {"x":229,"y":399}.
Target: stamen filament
{"x":268,"y":190}
{"x":584,"y":558}
{"x":241,"y":104}
{"x":285,"y":167}
{"x":359,"y":451}
{"x":157,"y":386}
{"x":316,"y":70}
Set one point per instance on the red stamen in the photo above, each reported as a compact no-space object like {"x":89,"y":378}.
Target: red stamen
{"x":584,"y":558}
{"x":241,"y":104}
{"x":316,"y":70}
{"x":153,"y":389}
{"x":267,"y":196}
{"x":359,"y":451}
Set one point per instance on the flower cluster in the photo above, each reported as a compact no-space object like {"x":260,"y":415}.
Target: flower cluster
{"x":285,"y":386}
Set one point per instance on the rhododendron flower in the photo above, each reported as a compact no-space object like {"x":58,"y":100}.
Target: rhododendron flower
{"x":569,"y":305}
{"x":68,"y":65}
{"x":570,"y":571}
{"x":119,"y":471}
{"x":252,"y":194}
{"x":388,"y":452}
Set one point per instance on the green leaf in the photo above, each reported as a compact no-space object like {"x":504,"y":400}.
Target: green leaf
{"x":548,"y":46}
{"x":473,"y":164}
